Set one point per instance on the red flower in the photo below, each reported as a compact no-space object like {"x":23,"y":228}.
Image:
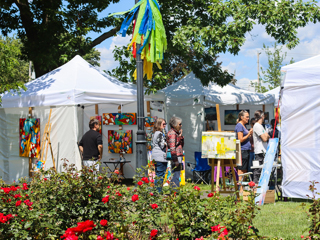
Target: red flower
{"x":196,"y":188}
{"x":154,"y":206}
{"x":84,"y":226}
{"x":151,"y":194}
{"x":153,"y":233}
{"x":140,"y":183}
{"x":100,"y":177}
{"x":25,"y":186}
{"x":28,"y":203}
{"x":119,"y":194}
{"x":27,"y":195}
{"x":210,"y":195}
{"x":6,"y":190}
{"x":251,"y":184}
{"x":103,"y":222}
{"x":89,"y":195}
{"x":17,"y":195}
{"x":13,"y":188}
{"x":45,"y":179}
{"x":145,"y":179}
{"x":200,"y":238}
{"x":18,"y":203}
{"x":216,"y":228}
{"x":99,"y":238}
{"x":128,"y":189}
{"x":105,"y":199}
{"x":152,"y":180}
{"x":116,"y":171}
{"x":109,"y":236}
{"x":135,"y":197}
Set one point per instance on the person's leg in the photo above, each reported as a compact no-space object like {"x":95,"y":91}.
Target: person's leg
{"x":250,"y":161}
{"x":175,"y":181}
{"x":161,"y":168}
{"x":257,"y":171}
{"x":244,"y":167}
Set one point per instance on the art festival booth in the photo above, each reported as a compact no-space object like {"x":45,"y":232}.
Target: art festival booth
{"x":300,"y":127}
{"x":195,"y":104}
{"x":72,"y":92}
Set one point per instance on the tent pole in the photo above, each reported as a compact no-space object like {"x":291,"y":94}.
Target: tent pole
{"x":141,"y":154}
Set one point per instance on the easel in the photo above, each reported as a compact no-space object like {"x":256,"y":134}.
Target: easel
{"x":222,"y":163}
{"x":30,"y":158}
{"x":46,"y":141}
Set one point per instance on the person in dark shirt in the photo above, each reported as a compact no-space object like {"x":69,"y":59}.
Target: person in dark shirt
{"x":90,"y":145}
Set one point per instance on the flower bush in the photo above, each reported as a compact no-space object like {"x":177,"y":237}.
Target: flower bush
{"x":80,"y":205}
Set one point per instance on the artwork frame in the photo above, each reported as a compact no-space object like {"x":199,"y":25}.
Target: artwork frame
{"x":149,"y":121}
{"x":218,"y":145}
{"x":210,"y":114}
{"x":231,"y":116}
{"x":149,"y":134}
{"x":120,"y":141}
{"x":99,"y":118}
{"x":119,"y":119}
{"x":29,"y":137}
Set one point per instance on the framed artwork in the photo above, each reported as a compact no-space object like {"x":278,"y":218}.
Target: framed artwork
{"x":149,"y":139}
{"x":99,"y":119}
{"x":29,"y":137}
{"x":120,"y":141}
{"x":149,"y":121}
{"x":210,"y":114}
{"x":231,"y":116}
{"x":119,"y":118}
{"x":218,"y":145}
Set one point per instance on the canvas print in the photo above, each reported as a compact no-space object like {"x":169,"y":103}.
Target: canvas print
{"x":149,"y":121}
{"x":119,"y":118}
{"x":120,"y":141}
{"x":218,"y":145}
{"x":231,"y":116}
{"x":149,"y":139}
{"x":210,"y":114}
{"x":99,"y":118}
{"x":29,"y":133}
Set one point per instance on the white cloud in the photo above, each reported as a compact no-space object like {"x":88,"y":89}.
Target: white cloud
{"x":245,"y":83}
{"x":106,"y":60}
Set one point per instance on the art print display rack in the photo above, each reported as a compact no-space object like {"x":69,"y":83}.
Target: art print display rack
{"x":222,"y":163}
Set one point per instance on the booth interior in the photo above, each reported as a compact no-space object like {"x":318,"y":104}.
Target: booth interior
{"x":195,"y":104}
{"x":72,"y":92}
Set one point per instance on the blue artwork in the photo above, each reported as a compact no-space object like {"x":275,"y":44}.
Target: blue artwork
{"x":266,"y":171}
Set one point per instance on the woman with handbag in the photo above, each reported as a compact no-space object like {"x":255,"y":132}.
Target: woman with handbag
{"x":159,"y":155}
{"x":176,"y":143}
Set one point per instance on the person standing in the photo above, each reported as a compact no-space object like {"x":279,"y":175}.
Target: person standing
{"x":260,"y":141}
{"x":243,"y":134}
{"x":91,"y":146}
{"x":159,"y":155}
{"x":252,"y":122}
{"x":175,"y":143}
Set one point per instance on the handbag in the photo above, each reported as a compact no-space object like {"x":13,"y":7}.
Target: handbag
{"x":169,"y":155}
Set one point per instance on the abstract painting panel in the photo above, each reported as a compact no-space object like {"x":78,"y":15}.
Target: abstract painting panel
{"x":119,"y":118}
{"x":99,"y":119}
{"x":149,"y":121}
{"x":149,"y":139}
{"x":218,"y":145}
{"x":120,"y":141}
{"x":29,"y":137}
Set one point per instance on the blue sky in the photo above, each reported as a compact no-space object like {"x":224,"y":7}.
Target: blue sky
{"x":244,"y":64}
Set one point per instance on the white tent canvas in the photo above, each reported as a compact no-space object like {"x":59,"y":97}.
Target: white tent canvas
{"x":71,"y":91}
{"x":300,"y":127}
{"x":188,"y":99}
{"x":275,"y":92}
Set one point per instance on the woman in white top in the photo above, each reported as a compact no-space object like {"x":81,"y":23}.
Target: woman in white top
{"x":260,"y":141}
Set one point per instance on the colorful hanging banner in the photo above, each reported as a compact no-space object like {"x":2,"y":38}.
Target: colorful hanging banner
{"x":148,"y":30}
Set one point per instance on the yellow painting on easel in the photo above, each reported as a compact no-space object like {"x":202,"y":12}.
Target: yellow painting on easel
{"x":218,"y":145}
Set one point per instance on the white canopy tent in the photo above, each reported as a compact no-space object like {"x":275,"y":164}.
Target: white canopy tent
{"x":300,"y":127}
{"x":276,"y":92}
{"x":71,"y":91}
{"x":188,"y":98}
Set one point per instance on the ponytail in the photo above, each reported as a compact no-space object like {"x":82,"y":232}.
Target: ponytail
{"x":241,"y":114}
{"x":258,"y":115}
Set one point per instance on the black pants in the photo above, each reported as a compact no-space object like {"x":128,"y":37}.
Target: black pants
{"x":257,"y":171}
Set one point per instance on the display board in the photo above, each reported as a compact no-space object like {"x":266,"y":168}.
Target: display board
{"x":29,"y":137}
{"x":218,"y":145}
{"x":120,"y":141}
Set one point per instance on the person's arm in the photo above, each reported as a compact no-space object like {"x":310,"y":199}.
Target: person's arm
{"x":81,"y":147}
{"x":261,"y":132}
{"x":242,"y":138}
{"x":100,"y":146}
{"x":265,"y":137}
{"x":172,"y":146}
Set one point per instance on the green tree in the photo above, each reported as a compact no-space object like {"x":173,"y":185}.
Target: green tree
{"x":199,"y":30}
{"x":272,"y":75}
{"x":14,"y":71}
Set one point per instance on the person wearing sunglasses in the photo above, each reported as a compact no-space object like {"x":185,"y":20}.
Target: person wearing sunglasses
{"x":175,"y":143}
{"x":159,"y":155}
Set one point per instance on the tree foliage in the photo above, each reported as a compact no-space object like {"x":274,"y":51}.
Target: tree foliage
{"x":53,"y":31}
{"x":198,"y":31}
{"x":13,"y":69}
{"x":272,"y":75}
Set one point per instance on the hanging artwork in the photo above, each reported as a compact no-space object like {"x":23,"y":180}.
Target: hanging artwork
{"x":149,"y":139}
{"x":149,"y":121}
{"x":99,"y":119}
{"x":120,"y":141}
{"x":231,"y":116}
{"x":210,"y":114}
{"x":29,"y":132}
{"x":119,"y":118}
{"x":218,"y":145}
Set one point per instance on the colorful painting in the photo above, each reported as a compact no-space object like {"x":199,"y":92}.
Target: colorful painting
{"x":231,"y":116}
{"x":120,"y":141}
{"x":99,"y":119}
{"x":29,"y":131}
{"x":266,"y":171}
{"x":119,"y":119}
{"x":149,"y":139}
{"x":210,"y":114}
{"x":149,"y":121}
{"x":218,"y":145}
